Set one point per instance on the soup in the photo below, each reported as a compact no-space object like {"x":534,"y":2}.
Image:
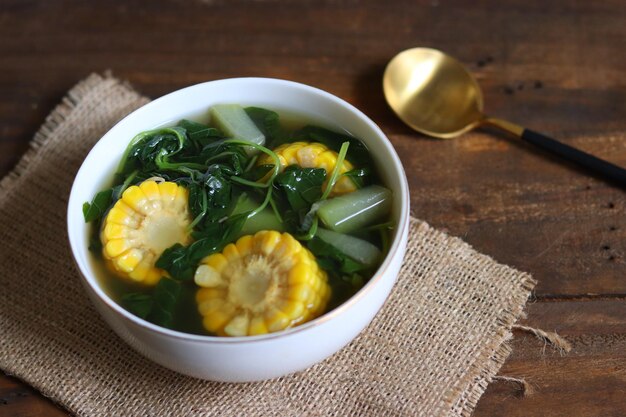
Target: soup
{"x":241,"y":223}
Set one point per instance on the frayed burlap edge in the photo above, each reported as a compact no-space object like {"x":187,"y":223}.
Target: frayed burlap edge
{"x":476,"y":387}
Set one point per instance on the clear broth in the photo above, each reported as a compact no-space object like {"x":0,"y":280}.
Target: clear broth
{"x":187,"y":319}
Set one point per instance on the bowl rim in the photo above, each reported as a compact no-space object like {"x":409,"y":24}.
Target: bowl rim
{"x":88,"y":277}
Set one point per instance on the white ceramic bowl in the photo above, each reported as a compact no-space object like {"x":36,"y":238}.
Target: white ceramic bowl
{"x":251,"y":358}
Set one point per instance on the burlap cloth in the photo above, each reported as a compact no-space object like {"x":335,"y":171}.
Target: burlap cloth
{"x":431,"y":351}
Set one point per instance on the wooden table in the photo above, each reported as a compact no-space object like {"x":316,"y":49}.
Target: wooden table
{"x":556,"y":66}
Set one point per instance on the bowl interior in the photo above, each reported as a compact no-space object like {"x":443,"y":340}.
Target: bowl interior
{"x":97,"y":170}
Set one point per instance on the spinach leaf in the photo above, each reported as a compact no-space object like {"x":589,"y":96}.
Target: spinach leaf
{"x":175,"y":261}
{"x":200,"y":132}
{"x":258,"y":172}
{"x":152,"y":150}
{"x":332,"y":259}
{"x":218,"y":190}
{"x":226,"y":154}
{"x":95,"y":244}
{"x":164,"y":299}
{"x":211,"y":194}
{"x":198,"y":201}
{"x":214,"y":238}
{"x":359,"y":176}
{"x":268,"y":123}
{"x":159,"y":306}
{"x":302,"y":186}
{"x":345,"y":274}
{"x":98,"y":206}
{"x":181,"y":261}
{"x":357,"y":153}
{"x":137,"y":303}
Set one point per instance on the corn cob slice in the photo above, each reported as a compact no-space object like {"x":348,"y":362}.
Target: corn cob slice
{"x":313,"y":155}
{"x":263,"y":283}
{"x":148,"y":219}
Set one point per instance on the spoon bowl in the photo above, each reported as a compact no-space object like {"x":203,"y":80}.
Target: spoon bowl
{"x":433,"y":93}
{"x":436,"y":95}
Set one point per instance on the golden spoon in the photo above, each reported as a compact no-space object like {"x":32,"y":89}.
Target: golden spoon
{"x":436,"y":95}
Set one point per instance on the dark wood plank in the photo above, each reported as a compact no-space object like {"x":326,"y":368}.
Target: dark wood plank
{"x":557,"y":67}
{"x":589,"y":381}
{"x":18,"y":400}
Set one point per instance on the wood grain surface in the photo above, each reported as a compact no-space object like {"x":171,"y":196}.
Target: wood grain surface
{"x":558,"y":67}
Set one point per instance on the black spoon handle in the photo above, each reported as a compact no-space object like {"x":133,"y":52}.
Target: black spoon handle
{"x":600,"y":166}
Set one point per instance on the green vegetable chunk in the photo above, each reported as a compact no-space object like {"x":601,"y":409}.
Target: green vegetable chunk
{"x":360,"y":250}
{"x":233,"y":120}
{"x":349,"y":212}
{"x":263,"y":220}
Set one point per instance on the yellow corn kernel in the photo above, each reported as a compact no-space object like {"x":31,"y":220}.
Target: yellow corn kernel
{"x":230,"y":252}
{"x":313,"y":155}
{"x":116,"y":247}
{"x":300,"y":292}
{"x":153,"y":195}
{"x":288,"y":245}
{"x":215,"y":320}
{"x":244,"y":245}
{"x":153,"y":276}
{"x":204,"y":294}
{"x":211,"y":304}
{"x":217,"y":261}
{"x":181,"y":200}
{"x":238,"y":326}
{"x":130,"y":259}
{"x":151,"y":190}
{"x":293,"y":309}
{"x":118,"y":215}
{"x":257,"y":326}
{"x":136,"y":200}
{"x":148,"y":219}
{"x":248,"y":288}
{"x":168,"y":191}
{"x":269,"y":242}
{"x":207,"y":276}
{"x":116,"y":231}
{"x":276,"y":320}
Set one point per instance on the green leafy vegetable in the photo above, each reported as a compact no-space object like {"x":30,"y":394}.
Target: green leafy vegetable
{"x":302,"y":186}
{"x":335,"y":260}
{"x":181,"y":261}
{"x":175,"y":260}
{"x":159,"y":306}
{"x":164,"y":299}
{"x":199,"y":132}
{"x":268,"y":122}
{"x":152,"y":150}
{"x":99,"y":205}
{"x":257,"y":173}
{"x":361,"y":177}
{"x":138,"y":303}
